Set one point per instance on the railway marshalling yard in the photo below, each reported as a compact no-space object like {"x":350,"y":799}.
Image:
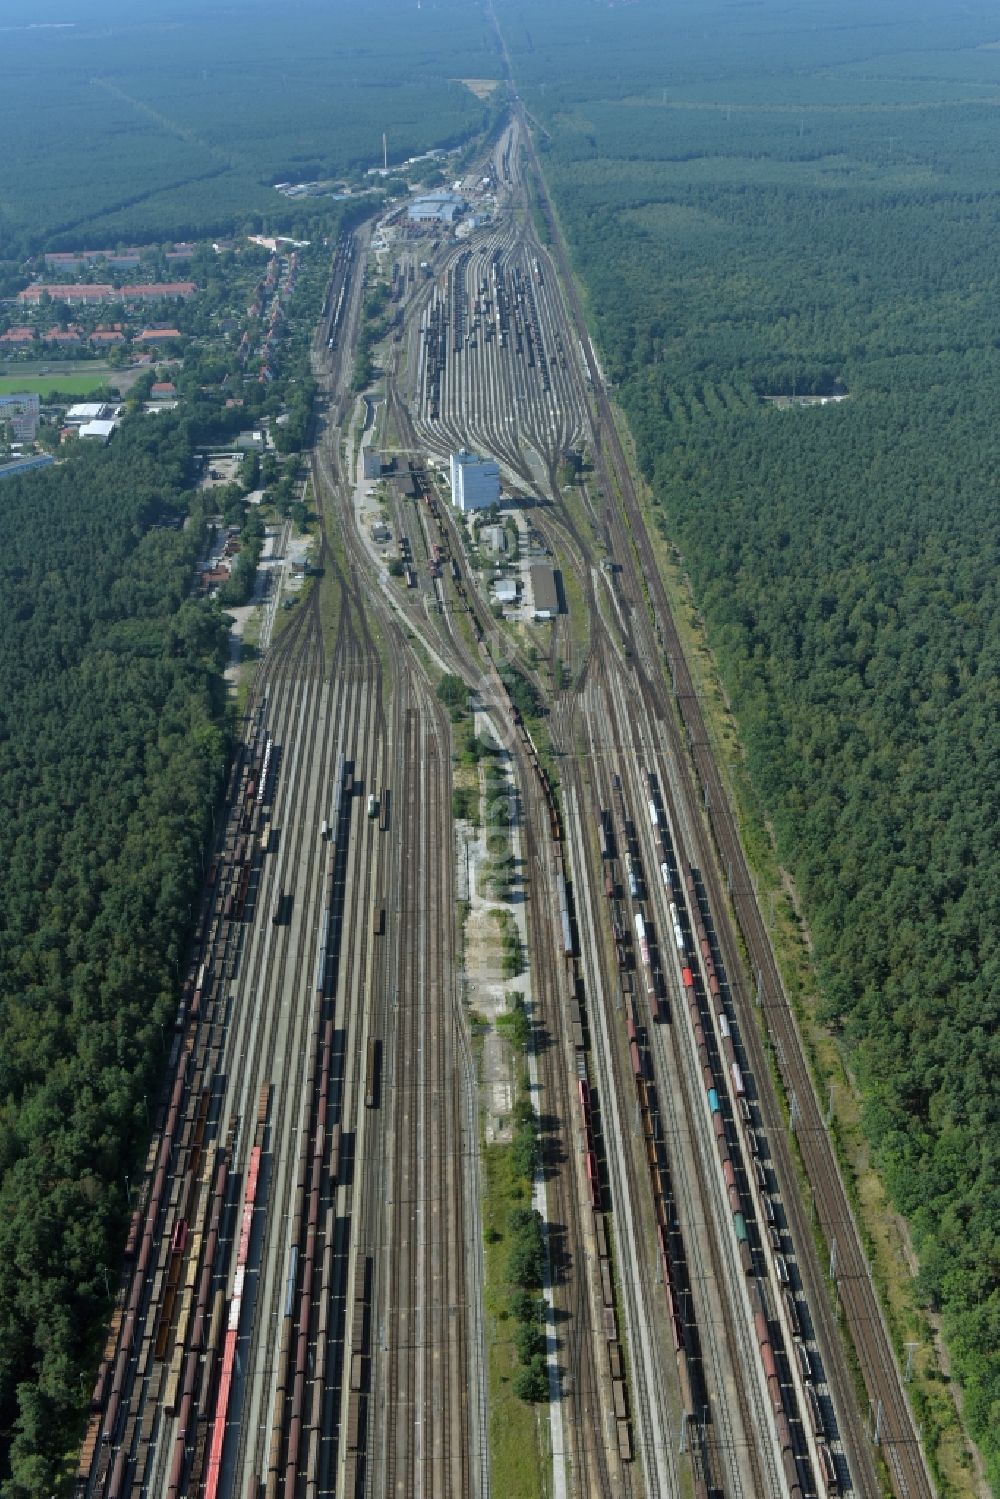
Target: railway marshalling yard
{"x":303,"y":1309}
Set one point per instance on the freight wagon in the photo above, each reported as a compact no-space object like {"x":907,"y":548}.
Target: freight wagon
{"x":372,"y":1061}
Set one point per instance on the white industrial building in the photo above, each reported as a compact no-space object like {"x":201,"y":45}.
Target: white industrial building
{"x":102,"y":430}
{"x":89,"y":411}
{"x":475,"y":482}
{"x":505,"y":590}
{"x":438,"y":208}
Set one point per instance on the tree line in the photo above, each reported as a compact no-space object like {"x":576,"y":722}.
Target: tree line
{"x":112,"y":753}
{"x":844,"y":557}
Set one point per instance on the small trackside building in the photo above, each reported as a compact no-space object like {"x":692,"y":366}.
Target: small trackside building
{"x":505,"y":591}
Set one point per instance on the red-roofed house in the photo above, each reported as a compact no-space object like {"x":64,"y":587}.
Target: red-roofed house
{"x":62,"y":336}
{"x":98,"y":292}
{"x":101,"y":292}
{"x":157,"y":289}
{"x":213,"y":577}
{"x":71,"y":260}
{"x":156,"y":335}
{"x":64,"y":260}
{"x":162,"y":390}
{"x":18,"y":336}
{"x":108,"y":333}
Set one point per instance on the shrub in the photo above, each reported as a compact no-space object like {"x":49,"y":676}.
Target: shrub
{"x":527,"y":1308}
{"x":454,"y":694}
{"x":527,"y":1255}
{"x":532,"y":1383}
{"x":529,"y":1340}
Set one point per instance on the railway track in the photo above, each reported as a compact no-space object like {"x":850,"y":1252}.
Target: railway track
{"x":741,"y":1427}
{"x":304,"y":1313}
{"x":714,"y":1380}
{"x":631,"y":548}
{"x":594,"y":1461}
{"x":582,"y":1372}
{"x":470,"y":430}
{"x":419,"y":1432}
{"x":642,"y":650}
{"x":263,"y":1411}
{"x":652,"y":1333}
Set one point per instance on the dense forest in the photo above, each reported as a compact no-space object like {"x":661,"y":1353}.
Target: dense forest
{"x":135,"y":126}
{"x":759,"y":211}
{"x":111,"y":755}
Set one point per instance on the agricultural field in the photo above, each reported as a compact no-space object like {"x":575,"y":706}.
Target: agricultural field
{"x":132,"y":128}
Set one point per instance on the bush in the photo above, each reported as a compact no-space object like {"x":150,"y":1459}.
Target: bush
{"x":464,"y":803}
{"x":524,"y":1268}
{"x":454,"y":694}
{"x":515,"y":1025}
{"x":527,"y":1255}
{"x":522,"y":693}
{"x":527,"y":1308}
{"x":512,"y":962}
{"x":532,"y":1383}
{"x":524,"y":1109}
{"x":529,"y":1340}
{"x":525,"y":1152}
{"x":469,"y":749}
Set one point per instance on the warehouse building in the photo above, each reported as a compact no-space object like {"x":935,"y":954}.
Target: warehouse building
{"x":436,"y":208}
{"x":25,"y":465}
{"x":88,"y":411}
{"x":99,"y":430}
{"x":475,"y":482}
{"x":544,"y":592}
